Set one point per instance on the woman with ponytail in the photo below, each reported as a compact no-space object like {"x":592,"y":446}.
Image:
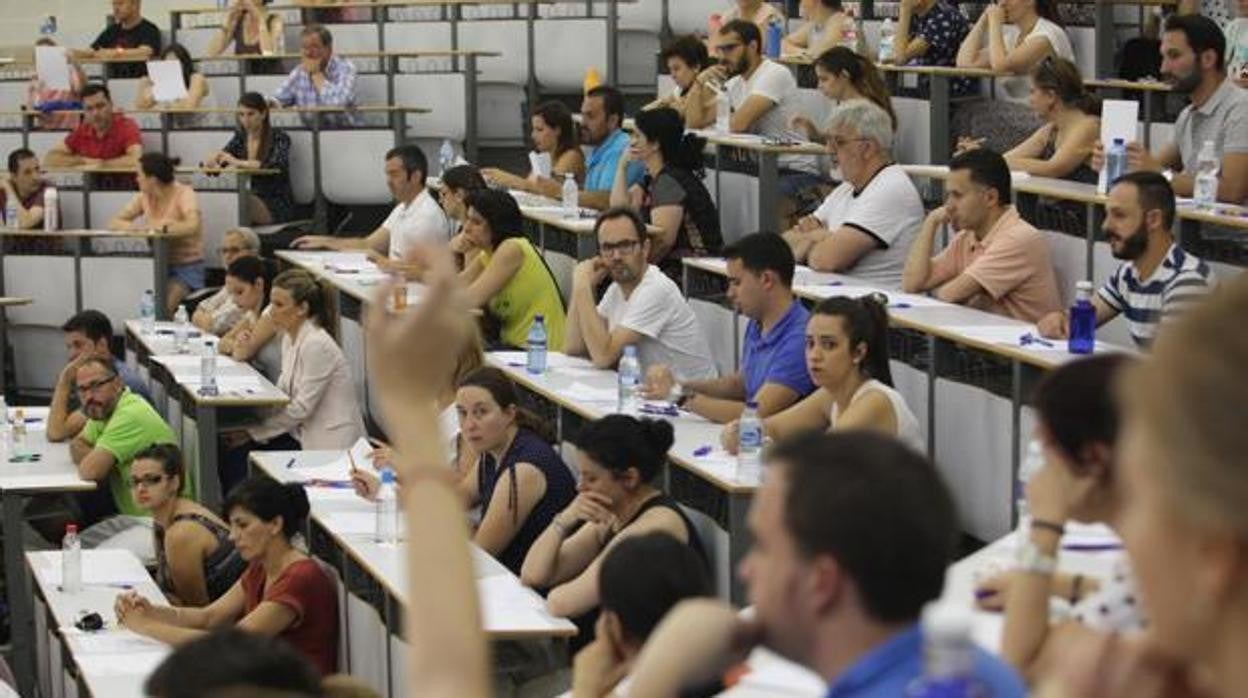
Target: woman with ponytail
{"x":256,"y":144}
{"x":847,"y":355}
{"x":1062,"y":147}
{"x":283,"y":593}
{"x":672,"y":196}
{"x":620,"y":459}
{"x":844,"y":75}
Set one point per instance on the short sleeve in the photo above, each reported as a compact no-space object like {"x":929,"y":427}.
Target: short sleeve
{"x":151,"y":37}
{"x":91,"y":432}
{"x":391,"y":223}
{"x":105,"y":38}
{"x":237,"y":145}
{"x":666,"y":191}
{"x":1005,"y":265}
{"x":1111,"y":292}
{"x":775,"y":85}
{"x":948,"y":262}
{"x":74,"y":140}
{"x":129,"y":133}
{"x":875,"y":212}
{"x":294,"y":589}
{"x":124,"y":437}
{"x":1235,"y":129}
{"x":648,"y":310}
{"x":826,"y":209}
{"x":279,"y":152}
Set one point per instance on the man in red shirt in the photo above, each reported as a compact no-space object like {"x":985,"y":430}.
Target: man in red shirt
{"x":103,"y":139}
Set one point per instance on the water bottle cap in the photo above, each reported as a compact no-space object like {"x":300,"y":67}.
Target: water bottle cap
{"x":946,"y":620}
{"x":751,"y":404}
{"x":630,"y":350}
{"x":387,"y":477}
{"x":539,"y":318}
{"x":1118,"y":141}
{"x":71,"y":528}
{"x":1083,"y":285}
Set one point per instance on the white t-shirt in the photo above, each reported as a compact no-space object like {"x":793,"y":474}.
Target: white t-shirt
{"x":421,"y":221}
{"x":908,"y":431}
{"x":671,"y":335}
{"x":776,"y":83}
{"x":1016,"y":89}
{"x":888,"y":209}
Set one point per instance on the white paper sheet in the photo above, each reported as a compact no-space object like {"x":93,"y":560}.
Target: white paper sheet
{"x":554,"y":360}
{"x":339,"y":468}
{"x":112,"y":641}
{"x":506,"y":605}
{"x":896,"y":300}
{"x":540,"y":164}
{"x":168,"y":83}
{"x":52,"y":67}
{"x":1119,"y":118}
{"x":354,"y":523}
{"x":587,"y":393}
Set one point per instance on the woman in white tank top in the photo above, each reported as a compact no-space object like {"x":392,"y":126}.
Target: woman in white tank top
{"x":847,"y":355}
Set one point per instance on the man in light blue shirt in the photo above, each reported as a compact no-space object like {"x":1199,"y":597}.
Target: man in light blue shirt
{"x":851,"y":535}
{"x":773,"y":357}
{"x":602,"y":120}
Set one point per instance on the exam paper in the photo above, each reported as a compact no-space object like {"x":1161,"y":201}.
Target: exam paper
{"x":540,"y":164}
{"x":1118,"y":120}
{"x":52,"y":67}
{"x":168,"y":83}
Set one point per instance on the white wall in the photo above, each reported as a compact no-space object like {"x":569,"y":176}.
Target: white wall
{"x":79,"y":20}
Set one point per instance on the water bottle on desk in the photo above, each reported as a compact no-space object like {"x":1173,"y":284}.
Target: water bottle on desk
{"x":1115,"y":161}
{"x":181,"y":330}
{"x":887,"y":31}
{"x":571,"y":197}
{"x":629,"y":378}
{"x":948,"y":655}
{"x":723,"y":111}
{"x":1206,"y":189}
{"x":17,"y":428}
{"x":10,"y":213}
{"x":71,"y":561}
{"x":1082,"y":320}
{"x":775,"y":30}
{"x":535,"y":361}
{"x":147,"y":312}
{"x":6,"y":428}
{"x":51,"y":210}
{"x":750,"y":444}
{"x":208,"y":367}
{"x":387,"y":530}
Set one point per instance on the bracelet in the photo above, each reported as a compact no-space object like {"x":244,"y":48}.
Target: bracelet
{"x":1075,"y":587}
{"x":1057,"y":528}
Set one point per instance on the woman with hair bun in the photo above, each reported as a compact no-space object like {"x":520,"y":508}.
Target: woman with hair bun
{"x":620,"y":460}
{"x":283,"y":593}
{"x":672,"y":196}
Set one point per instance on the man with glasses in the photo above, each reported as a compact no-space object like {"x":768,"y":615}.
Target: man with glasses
{"x":119,"y":424}
{"x":865,"y":226}
{"x":218,"y":313}
{"x":87,"y":335}
{"x":642,"y":307}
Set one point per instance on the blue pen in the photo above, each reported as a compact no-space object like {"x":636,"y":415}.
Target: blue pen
{"x":290,"y":463}
{"x":899,"y":306}
{"x":702,"y":451}
{"x":832,"y":283}
{"x":1092,"y":547}
{"x":1029,"y":338}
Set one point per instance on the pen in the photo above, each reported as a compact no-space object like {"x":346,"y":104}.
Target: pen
{"x":290,"y":463}
{"x":351,"y":460}
{"x":899,"y":306}
{"x":1092,"y":547}
{"x":702,"y":451}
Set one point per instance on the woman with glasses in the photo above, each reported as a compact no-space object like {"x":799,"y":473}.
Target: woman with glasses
{"x":195,"y":561}
{"x":256,"y":144}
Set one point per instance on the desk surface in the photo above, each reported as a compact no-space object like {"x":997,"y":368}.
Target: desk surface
{"x":509,"y":609}
{"x":351,"y":54}
{"x":239,"y":384}
{"x":988,"y":332}
{"x":53,"y":472}
{"x":348,"y":272}
{"x":242,"y":171}
{"x":364,"y":4}
{"x":10,"y":301}
{"x":90,"y":233}
{"x":757,"y":144}
{"x":114,"y":662}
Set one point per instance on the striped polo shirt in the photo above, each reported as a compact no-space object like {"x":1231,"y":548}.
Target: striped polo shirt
{"x":1174,"y":285}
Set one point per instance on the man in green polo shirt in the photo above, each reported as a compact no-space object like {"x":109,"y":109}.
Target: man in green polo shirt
{"x":119,"y":425}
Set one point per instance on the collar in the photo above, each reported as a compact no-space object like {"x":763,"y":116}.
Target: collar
{"x":414,"y":203}
{"x":1227,"y":91}
{"x":791,"y":316}
{"x":1173,"y":260}
{"x":886,"y":657}
{"x":1010,"y":217}
{"x":609,"y":144}
{"x":856,"y":192}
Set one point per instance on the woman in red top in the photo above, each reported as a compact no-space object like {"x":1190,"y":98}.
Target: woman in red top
{"x":283,"y":593}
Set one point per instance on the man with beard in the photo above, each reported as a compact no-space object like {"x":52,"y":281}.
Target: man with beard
{"x":642,"y":307}
{"x":119,"y":425}
{"x":87,"y":334}
{"x":1158,"y":280}
{"x":1193,"y":51}
{"x":602,"y":121}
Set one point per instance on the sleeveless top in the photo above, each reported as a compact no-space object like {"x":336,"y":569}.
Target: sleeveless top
{"x":527,"y":447}
{"x":699,"y":234}
{"x":221,"y":569}
{"x":1083,"y":173}
{"x":530,"y":292}
{"x":907,"y":424}
{"x":242,"y":48}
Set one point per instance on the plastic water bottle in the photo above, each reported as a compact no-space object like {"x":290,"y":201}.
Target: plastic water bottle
{"x":1032,"y":463}
{"x":446,"y":156}
{"x":1115,"y":161}
{"x":535,"y":362}
{"x":147,"y":311}
{"x":887,"y":31}
{"x":723,"y":111}
{"x":750,"y":444}
{"x":629,"y":381}
{"x":6,"y":428}
{"x":775,"y":30}
{"x":181,"y":330}
{"x":1206,"y":191}
{"x":571,"y":197}
{"x":71,"y":560}
{"x":387,"y":508}
{"x":208,"y":367}
{"x":10,"y":213}
{"x":51,"y":210}
{"x":1082,"y":320}
{"x":48,"y":28}
{"x":948,"y":655}
{"x":17,"y":429}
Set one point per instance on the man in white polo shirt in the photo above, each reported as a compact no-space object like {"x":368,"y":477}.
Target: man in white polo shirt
{"x":416,"y":219}
{"x":642,"y":307}
{"x":865,"y":226}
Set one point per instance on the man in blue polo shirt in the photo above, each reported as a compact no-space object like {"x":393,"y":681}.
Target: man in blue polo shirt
{"x":851,"y":535}
{"x":773,"y":364}
{"x":602,"y":121}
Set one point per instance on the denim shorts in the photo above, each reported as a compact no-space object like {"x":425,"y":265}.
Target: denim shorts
{"x":189,"y":275}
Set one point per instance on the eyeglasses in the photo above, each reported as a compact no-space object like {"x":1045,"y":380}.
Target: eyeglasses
{"x":146,"y":480}
{"x":837,"y":142}
{"x":607,"y":249}
{"x":95,"y":385}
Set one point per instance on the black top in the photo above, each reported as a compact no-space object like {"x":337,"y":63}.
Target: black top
{"x":273,"y":190}
{"x":699,"y":233}
{"x":115,"y":36}
{"x":221,"y":569}
{"x":1083,"y":173}
{"x":527,"y":447}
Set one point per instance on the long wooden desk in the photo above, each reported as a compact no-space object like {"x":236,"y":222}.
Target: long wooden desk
{"x":53,"y":473}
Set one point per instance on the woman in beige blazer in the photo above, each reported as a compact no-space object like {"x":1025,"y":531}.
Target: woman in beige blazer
{"x":323,"y":412}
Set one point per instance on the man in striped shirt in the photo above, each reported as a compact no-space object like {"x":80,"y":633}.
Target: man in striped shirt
{"x":1158,"y":280}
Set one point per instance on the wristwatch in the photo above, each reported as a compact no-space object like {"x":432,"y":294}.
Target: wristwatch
{"x":680,"y":396}
{"x":1031,"y":560}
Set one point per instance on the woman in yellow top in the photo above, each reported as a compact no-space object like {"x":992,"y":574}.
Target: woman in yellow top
{"x":507,"y":276}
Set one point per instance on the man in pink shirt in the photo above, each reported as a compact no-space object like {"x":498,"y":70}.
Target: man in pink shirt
{"x":997,"y":262}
